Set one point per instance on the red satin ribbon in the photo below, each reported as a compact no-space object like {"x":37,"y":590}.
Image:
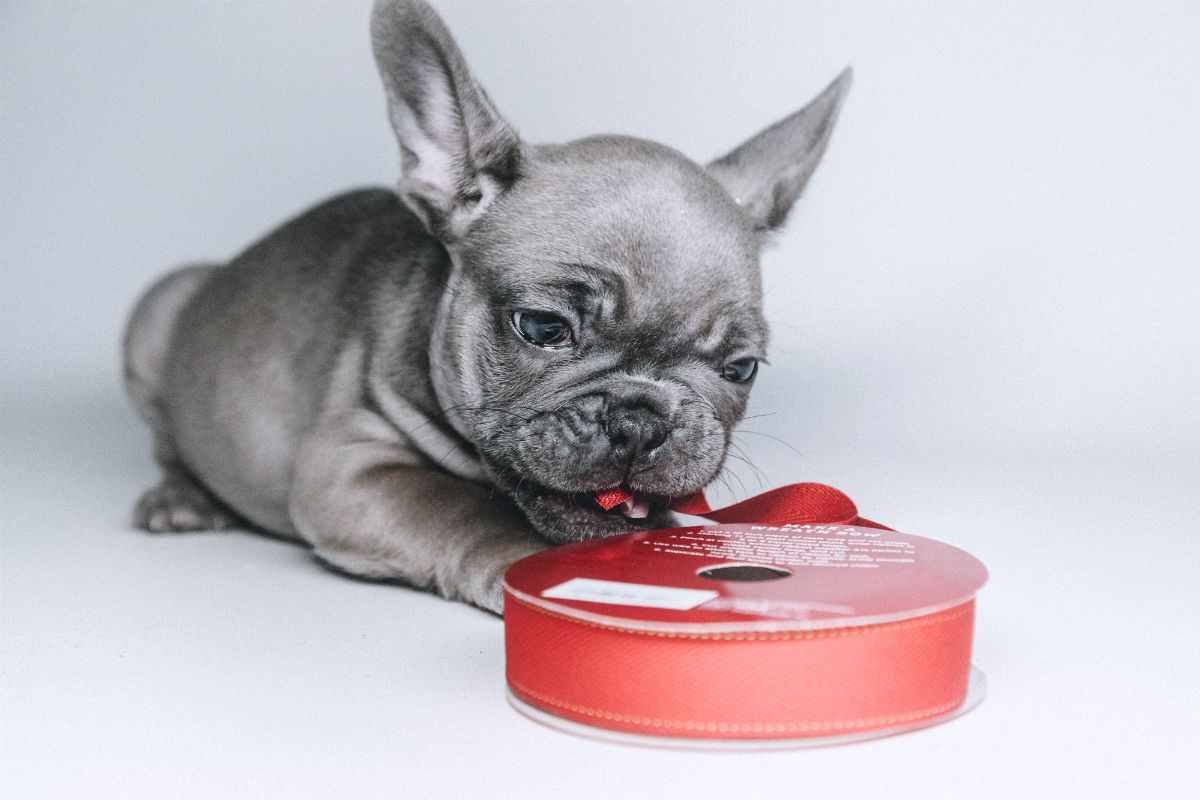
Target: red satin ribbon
{"x":755,"y":683}
{"x":796,"y":504}
{"x":740,"y":685}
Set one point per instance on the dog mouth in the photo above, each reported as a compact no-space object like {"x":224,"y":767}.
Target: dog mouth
{"x":619,"y":502}
{"x":630,"y":505}
{"x":563,"y":517}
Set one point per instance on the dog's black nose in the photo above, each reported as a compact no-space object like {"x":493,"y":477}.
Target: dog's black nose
{"x":634,"y":431}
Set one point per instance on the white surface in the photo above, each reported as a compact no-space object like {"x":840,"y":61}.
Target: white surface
{"x":985,"y":332}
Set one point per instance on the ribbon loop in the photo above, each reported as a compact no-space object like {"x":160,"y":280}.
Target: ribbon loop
{"x":795,"y":504}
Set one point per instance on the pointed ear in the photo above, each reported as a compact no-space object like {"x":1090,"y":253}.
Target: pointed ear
{"x":457,"y":152}
{"x":766,"y":174}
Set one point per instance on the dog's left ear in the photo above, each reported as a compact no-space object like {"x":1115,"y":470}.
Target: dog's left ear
{"x":457,"y":152}
{"x":766,"y":174}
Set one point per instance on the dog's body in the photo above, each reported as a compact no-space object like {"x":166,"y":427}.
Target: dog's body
{"x":427,"y":386}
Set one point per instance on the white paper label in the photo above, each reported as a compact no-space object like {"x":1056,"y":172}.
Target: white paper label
{"x":629,"y":594}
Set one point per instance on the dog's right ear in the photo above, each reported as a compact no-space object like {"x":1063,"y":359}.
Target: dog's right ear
{"x":457,"y":152}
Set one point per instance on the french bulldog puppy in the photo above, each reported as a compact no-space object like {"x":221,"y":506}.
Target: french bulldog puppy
{"x":425,"y":385}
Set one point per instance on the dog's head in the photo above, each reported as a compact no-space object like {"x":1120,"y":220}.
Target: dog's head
{"x":602,"y":324}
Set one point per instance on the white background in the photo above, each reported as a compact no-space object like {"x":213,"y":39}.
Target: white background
{"x":985,"y":331}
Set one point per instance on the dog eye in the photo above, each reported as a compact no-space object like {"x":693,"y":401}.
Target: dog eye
{"x":740,"y":371}
{"x":542,"y":329}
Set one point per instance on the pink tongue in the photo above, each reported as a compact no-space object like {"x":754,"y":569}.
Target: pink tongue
{"x":632,"y":507}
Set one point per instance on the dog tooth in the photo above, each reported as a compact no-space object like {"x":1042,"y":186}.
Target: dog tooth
{"x":636,"y":508}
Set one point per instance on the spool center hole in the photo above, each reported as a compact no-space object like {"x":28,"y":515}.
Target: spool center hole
{"x":743,"y":572}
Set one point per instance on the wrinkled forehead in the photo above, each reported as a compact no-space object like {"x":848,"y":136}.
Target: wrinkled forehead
{"x":622,"y":213}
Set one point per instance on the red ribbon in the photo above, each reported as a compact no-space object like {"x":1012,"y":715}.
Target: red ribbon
{"x":796,"y":504}
{"x":740,"y":685}
{"x":756,"y":683}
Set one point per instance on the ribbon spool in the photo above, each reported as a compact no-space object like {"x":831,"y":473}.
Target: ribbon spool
{"x":744,"y":635}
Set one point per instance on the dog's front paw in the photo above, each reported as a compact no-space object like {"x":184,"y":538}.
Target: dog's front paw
{"x":179,"y":504}
{"x":482,"y":582}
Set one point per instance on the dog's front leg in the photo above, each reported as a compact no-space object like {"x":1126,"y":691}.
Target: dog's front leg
{"x":369,"y":506}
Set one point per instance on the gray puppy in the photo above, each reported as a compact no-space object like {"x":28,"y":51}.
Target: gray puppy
{"x":427,"y":385}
